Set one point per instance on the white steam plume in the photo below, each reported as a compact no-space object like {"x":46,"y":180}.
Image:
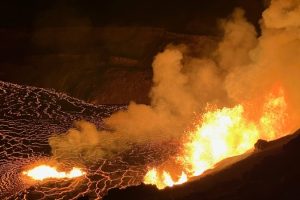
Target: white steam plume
{"x":243,"y":66}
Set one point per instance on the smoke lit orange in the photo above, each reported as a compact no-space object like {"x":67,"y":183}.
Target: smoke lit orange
{"x":46,"y":172}
{"x":223,"y":133}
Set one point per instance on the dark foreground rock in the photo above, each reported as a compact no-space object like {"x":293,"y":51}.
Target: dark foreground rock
{"x":271,"y":173}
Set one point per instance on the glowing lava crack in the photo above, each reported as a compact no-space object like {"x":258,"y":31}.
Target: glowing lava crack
{"x":46,"y":172}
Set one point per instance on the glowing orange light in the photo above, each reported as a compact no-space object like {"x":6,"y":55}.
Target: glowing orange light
{"x":223,"y":133}
{"x":46,"y":172}
{"x":153,"y":178}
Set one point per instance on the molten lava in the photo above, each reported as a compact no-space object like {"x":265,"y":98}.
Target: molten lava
{"x":46,"y":172}
{"x":223,"y":133}
{"x":152,"y":177}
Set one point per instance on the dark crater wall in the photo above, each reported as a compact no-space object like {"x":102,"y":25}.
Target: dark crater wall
{"x":101,"y":51}
{"x":108,"y":65}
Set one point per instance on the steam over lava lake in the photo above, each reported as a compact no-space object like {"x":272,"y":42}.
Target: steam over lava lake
{"x":29,"y":116}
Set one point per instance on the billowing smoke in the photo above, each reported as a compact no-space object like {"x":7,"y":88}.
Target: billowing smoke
{"x":274,"y":60}
{"x":244,"y":66}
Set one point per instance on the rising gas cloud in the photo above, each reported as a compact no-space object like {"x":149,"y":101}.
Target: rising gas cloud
{"x":243,"y":66}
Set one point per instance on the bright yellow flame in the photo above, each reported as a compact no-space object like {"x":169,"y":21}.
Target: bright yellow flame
{"x":223,"y":133}
{"x":46,"y":172}
{"x":152,"y":178}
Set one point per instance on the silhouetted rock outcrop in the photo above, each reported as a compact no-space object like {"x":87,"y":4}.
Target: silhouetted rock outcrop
{"x":261,"y":144}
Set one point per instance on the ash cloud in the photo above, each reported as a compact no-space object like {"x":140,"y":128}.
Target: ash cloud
{"x":244,"y":66}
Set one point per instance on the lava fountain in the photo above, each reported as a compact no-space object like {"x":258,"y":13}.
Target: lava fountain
{"x":223,"y":133}
{"x":42,"y":172}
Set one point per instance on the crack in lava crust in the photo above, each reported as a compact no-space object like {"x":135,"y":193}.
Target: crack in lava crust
{"x":29,"y":116}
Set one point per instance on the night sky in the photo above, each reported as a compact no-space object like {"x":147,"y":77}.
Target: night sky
{"x":191,"y":16}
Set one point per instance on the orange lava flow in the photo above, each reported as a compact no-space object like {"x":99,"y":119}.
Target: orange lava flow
{"x":47,"y":172}
{"x":220,"y":134}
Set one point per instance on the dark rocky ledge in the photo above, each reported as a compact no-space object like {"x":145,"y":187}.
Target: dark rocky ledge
{"x":271,"y":172}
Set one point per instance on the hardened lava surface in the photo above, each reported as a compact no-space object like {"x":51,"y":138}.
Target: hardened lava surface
{"x":28,"y":117}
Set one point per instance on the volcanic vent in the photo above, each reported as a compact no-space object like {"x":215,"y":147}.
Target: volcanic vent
{"x":204,"y":109}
